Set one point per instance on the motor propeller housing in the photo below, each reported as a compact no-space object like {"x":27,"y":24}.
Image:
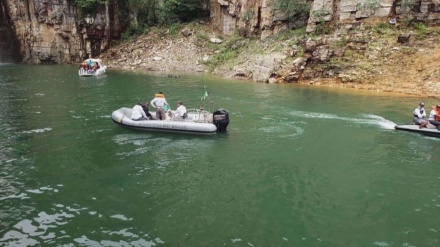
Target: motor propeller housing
{"x":221,"y":120}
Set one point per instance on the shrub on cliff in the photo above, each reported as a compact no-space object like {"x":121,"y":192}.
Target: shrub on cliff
{"x":139,"y":15}
{"x":89,"y":6}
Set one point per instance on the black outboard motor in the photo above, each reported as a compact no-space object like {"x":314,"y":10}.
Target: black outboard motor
{"x":221,"y":120}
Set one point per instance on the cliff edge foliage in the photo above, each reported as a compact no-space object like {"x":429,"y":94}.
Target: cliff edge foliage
{"x":138,"y":15}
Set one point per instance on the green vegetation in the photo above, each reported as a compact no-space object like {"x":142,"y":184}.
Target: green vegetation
{"x":382,"y":27}
{"x":385,"y":29}
{"x":421,"y":29}
{"x":294,"y":9}
{"x":289,"y":34}
{"x":227,"y":51}
{"x":89,"y":6}
{"x":408,"y":50}
{"x":340,"y":43}
{"x":138,"y":16}
{"x":408,"y":10}
{"x":321,"y":27}
{"x":248,"y":15}
{"x":368,"y":6}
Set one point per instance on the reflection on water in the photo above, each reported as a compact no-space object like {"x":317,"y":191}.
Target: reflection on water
{"x":298,"y":167}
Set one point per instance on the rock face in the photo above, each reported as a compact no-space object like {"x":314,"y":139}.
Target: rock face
{"x":259,"y":17}
{"x":54,"y":31}
{"x":248,"y":17}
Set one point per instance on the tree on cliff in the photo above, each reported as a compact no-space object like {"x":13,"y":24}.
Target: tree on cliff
{"x":152,"y":12}
{"x":293,"y":9}
{"x":172,"y":11}
{"x":89,"y":6}
{"x":143,"y":14}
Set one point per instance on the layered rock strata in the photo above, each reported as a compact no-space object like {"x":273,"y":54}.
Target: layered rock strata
{"x":259,"y":16}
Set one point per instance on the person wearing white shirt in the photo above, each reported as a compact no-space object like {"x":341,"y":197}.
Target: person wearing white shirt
{"x":419,"y":116}
{"x":138,"y":113}
{"x":180,"y":112}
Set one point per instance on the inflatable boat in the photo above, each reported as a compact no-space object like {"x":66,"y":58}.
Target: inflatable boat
{"x":429,"y":131}
{"x":197,"y":121}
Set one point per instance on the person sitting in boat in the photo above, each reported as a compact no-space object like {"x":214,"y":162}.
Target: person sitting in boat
{"x":419,"y":116}
{"x":180,"y":113}
{"x":159,"y":102}
{"x":434,"y":116}
{"x":138,"y":113}
{"x":147,"y":112}
{"x":90,"y":67}
{"x":83,"y":67}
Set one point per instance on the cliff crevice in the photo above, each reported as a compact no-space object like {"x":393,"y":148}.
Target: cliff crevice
{"x":9,"y":48}
{"x":55,"y":31}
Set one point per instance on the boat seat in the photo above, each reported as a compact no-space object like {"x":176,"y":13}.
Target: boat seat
{"x":430,"y":126}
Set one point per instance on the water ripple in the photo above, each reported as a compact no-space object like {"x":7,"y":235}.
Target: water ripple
{"x":84,"y":240}
{"x":37,"y":130}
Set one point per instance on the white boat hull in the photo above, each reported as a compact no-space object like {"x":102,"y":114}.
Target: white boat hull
{"x":430,"y":131}
{"x":98,"y":72}
{"x":195,"y":123}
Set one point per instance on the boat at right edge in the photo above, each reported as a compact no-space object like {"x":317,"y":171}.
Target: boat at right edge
{"x":429,"y":131}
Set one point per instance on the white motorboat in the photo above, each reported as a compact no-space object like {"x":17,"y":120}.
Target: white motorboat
{"x":92,"y":67}
{"x":430,"y":129}
{"x":197,"y":121}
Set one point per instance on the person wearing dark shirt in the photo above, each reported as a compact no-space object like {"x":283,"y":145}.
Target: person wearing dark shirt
{"x":145,"y":108}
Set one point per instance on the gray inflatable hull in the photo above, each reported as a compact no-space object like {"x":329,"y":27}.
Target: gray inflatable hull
{"x":195,"y":123}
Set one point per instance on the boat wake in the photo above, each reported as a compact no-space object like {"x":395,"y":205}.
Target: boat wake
{"x":369,"y":119}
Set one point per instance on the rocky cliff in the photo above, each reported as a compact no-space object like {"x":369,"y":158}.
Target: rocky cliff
{"x":340,"y":28}
{"x":54,"y":31}
{"x":260,"y":17}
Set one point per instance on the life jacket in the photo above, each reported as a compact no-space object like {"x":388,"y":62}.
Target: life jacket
{"x":159,"y":95}
{"x":437,"y":114}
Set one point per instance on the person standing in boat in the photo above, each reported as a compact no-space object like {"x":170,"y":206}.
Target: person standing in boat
{"x":434,"y":116}
{"x":180,"y":112}
{"x":138,"y":113}
{"x":419,"y":116}
{"x":159,"y":102}
{"x":147,"y":112}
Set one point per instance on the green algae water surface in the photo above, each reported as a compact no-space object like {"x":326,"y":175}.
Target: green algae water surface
{"x":299,"y":166}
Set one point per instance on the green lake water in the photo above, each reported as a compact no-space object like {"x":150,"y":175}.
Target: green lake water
{"x":299,"y":165}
